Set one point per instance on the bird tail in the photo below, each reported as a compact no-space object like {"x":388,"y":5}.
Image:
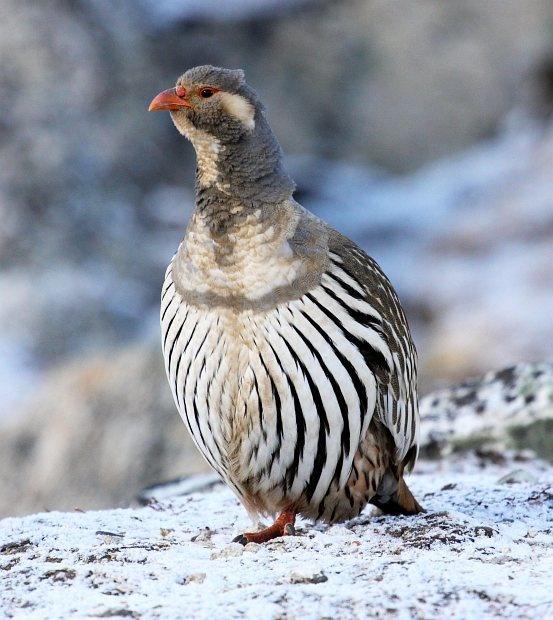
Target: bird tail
{"x":399,"y":502}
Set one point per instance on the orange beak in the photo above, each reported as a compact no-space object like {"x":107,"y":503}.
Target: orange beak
{"x":168,"y":100}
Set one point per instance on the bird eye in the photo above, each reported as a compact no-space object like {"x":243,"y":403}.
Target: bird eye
{"x":206,"y":93}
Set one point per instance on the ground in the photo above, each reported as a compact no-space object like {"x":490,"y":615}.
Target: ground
{"x":482,"y":549}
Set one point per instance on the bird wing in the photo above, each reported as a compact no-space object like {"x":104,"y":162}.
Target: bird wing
{"x":392,"y":356}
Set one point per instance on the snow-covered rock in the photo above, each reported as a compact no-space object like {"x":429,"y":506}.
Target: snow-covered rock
{"x":482,"y":549}
{"x":509,"y":408}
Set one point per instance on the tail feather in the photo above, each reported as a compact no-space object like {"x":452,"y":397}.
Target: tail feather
{"x":400,"y":502}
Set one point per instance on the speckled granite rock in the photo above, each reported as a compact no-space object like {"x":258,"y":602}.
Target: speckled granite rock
{"x":509,"y":408}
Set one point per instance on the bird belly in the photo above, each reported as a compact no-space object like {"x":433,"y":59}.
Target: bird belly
{"x":271,"y":401}
{"x":225,"y":396}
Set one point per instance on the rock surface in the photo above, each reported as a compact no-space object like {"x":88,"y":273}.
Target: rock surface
{"x":482,"y":549}
{"x":94,"y":435}
{"x":509,"y":408}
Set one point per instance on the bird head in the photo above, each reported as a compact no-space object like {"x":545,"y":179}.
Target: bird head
{"x":215,"y":108}
{"x":217,"y":101}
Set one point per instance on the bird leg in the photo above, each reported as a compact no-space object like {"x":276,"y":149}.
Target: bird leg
{"x":283,"y":526}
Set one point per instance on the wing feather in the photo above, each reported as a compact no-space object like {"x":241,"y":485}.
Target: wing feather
{"x":397,"y":404}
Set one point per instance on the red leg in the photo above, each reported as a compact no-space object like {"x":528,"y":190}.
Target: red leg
{"x":283,"y":526}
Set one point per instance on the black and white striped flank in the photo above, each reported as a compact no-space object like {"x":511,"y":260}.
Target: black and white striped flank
{"x":279,"y":401}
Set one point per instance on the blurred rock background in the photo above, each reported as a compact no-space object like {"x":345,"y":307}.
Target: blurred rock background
{"x":424,"y":130}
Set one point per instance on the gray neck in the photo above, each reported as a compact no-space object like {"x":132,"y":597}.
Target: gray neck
{"x":250,"y":177}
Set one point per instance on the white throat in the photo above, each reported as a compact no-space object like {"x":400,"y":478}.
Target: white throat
{"x":207,"y":149}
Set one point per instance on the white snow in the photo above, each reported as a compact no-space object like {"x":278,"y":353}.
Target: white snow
{"x":483,"y":549}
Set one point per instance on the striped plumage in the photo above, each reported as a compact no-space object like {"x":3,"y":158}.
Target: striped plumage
{"x":286,"y":348}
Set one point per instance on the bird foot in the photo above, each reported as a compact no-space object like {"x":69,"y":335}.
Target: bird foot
{"x":283,"y":526}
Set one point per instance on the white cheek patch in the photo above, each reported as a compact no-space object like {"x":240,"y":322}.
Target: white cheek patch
{"x":240,"y":108}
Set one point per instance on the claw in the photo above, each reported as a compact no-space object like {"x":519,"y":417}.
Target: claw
{"x":283,"y":526}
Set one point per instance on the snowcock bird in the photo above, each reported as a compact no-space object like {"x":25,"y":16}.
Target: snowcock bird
{"x":286,"y":347}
